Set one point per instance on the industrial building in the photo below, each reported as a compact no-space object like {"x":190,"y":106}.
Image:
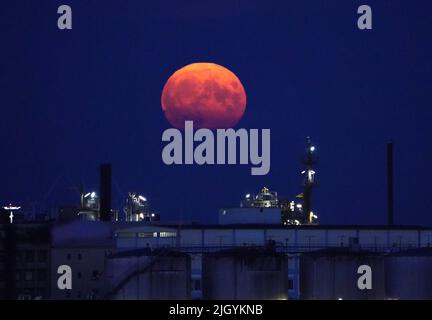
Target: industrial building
{"x":249,"y":273}
{"x":250,"y":252}
{"x":25,"y":266}
{"x":298,"y":262}
{"x":266,"y":248}
{"x":156,"y":274}
{"x":295,"y":242}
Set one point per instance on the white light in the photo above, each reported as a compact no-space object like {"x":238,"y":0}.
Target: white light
{"x":296,"y":222}
{"x":153,"y":215}
{"x":315,"y":216}
{"x":142,"y":198}
{"x":93,"y":195}
{"x":312,"y":149}
{"x":310,"y":175}
{"x":298,"y":205}
{"x":340,"y":299}
{"x":248,"y":196}
{"x":87,"y":194}
{"x":11,"y":208}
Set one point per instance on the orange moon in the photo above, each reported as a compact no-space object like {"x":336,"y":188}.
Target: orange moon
{"x":206,"y":93}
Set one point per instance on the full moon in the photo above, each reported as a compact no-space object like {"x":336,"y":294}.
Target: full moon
{"x":206,"y":93}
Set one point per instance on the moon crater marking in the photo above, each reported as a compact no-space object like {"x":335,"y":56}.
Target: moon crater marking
{"x":206,"y":93}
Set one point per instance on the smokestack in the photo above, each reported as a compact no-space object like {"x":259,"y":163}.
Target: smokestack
{"x":390,"y":204}
{"x":105,"y":192}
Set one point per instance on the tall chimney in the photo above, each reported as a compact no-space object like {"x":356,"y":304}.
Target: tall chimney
{"x":105,"y":192}
{"x":390,"y":204}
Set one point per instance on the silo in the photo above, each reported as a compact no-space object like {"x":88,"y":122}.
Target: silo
{"x":246,"y":273}
{"x":409,"y":274}
{"x":143,"y":275}
{"x":334,"y":274}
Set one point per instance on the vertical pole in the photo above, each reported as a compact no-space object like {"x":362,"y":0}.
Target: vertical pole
{"x":390,"y":199}
{"x":105,"y":192}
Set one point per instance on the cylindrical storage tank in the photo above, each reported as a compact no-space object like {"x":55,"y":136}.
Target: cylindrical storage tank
{"x":334,"y":274}
{"x":245,"y":274}
{"x":409,"y":274}
{"x":140,"y":275}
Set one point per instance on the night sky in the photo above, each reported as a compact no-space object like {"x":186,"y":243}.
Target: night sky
{"x":73,"y":99}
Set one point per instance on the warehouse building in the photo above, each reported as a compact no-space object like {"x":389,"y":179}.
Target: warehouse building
{"x":24,"y":261}
{"x":292,"y":241}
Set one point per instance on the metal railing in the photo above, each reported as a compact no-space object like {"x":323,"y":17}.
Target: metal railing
{"x":288,"y":249}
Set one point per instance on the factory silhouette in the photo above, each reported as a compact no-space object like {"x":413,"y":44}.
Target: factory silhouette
{"x":267,"y":247}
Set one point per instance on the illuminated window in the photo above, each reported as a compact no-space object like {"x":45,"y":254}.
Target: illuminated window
{"x":168,"y":234}
{"x":147,"y":234}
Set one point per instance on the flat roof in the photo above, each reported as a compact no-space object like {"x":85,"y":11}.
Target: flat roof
{"x":279,"y":226}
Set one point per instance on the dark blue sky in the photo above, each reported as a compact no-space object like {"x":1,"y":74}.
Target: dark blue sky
{"x":73,"y":99}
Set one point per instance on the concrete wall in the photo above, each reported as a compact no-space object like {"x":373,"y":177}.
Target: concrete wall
{"x":330,"y":276}
{"x":153,"y":277}
{"x":409,"y":277}
{"x":306,"y":238}
{"x":245,"y":275}
{"x":88,"y":269}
